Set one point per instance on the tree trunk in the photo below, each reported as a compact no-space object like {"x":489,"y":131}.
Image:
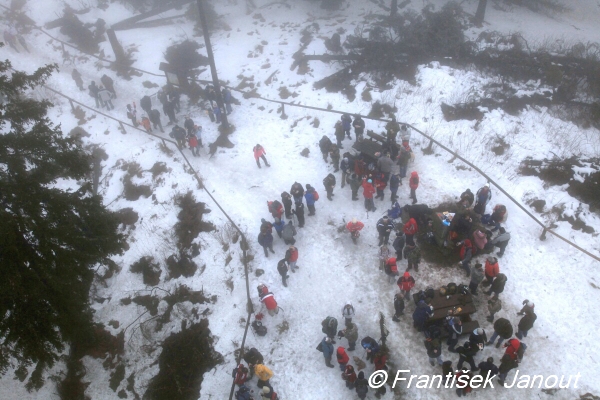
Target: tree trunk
{"x":480,"y":14}
{"x":394,"y":8}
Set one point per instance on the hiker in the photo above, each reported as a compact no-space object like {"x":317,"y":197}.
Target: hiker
{"x":395,"y":182}
{"x":286,"y":200}
{"x":173,"y":97}
{"x":146,"y":104}
{"x":478,"y":338}
{"x":268,"y":300}
{"x":266,"y":241}
{"x":399,"y":244}
{"x":355,"y":183}
{"x":371,"y":346}
{"x":350,"y":333}
{"x":282,"y":268}
{"x":413,"y":256}
{"x":77,"y":78}
{"x":406,"y":283}
{"x":497,"y":286}
{"x":311,"y":197}
{"x":243,"y":393}
{"x":454,"y":328}
{"x":410,"y":230}
{"x":483,"y":197}
{"x":155,"y":119}
{"x":354,"y":227}
{"x":403,"y":158}
{"x":342,"y":358}
{"x":253,"y":358}
{"x":434,"y":351}
{"x":466,"y":352}
{"x":422,"y":313}
{"x":503,"y":330}
{"x":384,"y":254}
{"x":361,"y":385}
{"x":324,"y":146}
{"x":391,"y":269}
{"x":339,"y":134}
{"x":145,"y":122}
{"x":479,"y":240}
{"x":329,"y":183}
{"x":227,"y":98}
{"x":346,"y":124}
{"x":299,"y":213}
{"x":93,"y":91}
{"x":525,"y":324}
{"x":398,"y":307}
{"x":487,"y":368}
{"x":263,"y":374}
{"x":105,"y":97}
{"x":240,"y":374}
{"x":188,"y":124}
{"x":348,"y":312}
{"x":494,"y":305}
{"x":528,"y":306}
{"x":476,"y":278}
{"x":500,"y":241}
{"x":109,"y":84}
{"x":368,"y":191}
{"x":259,"y":152}
{"x":506,"y":364}
{"x":466,"y":199}
{"x":335,"y":157}
{"x":379,"y":183}
{"x":359,"y":127}
{"x":345,"y":167}
{"x":492,"y":269}
{"x":276,"y":210}
{"x":288,"y":233}
{"x":178,"y":133}
{"x":385,"y":226}
{"x":291,"y":256}
{"x":466,"y":254}
{"x":385,"y":164}
{"x":349,"y":376}
{"x":297,"y":192}
{"x":414,"y":184}
{"x":132,"y":114}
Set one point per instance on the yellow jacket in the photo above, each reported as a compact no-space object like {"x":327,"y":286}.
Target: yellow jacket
{"x":263,"y":373}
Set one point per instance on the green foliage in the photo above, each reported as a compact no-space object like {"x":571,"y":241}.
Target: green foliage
{"x":50,"y":237}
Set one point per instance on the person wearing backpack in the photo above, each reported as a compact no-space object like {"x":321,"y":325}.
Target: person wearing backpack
{"x":500,"y":241}
{"x":146,"y":104}
{"x":413,"y":256}
{"x":252,"y":358}
{"x":506,"y":364}
{"x":265,"y":239}
{"x":288,"y":233}
{"x":476,"y":278}
{"x":342,"y":358}
{"x":326,"y":347}
{"x":406,"y":283}
{"x":350,"y":332}
{"x":503,"y":330}
{"x":348,"y":312}
{"x":329,"y":183}
{"x":240,"y":374}
{"x":398,"y":307}
{"x":282,"y":268}
{"x":276,"y":209}
{"x":410,"y":230}
{"x":311,"y":197}
{"x":268,"y":394}
{"x":329,"y":327}
{"x":492,"y":269}
{"x":515,"y":349}
{"x":483,"y":197}
{"x":414,"y":184}
{"x":243,"y":393}
{"x":259,"y":152}
{"x":361,"y":385}
{"x":487,"y":368}
{"x":434,"y":351}
{"x":422,"y":313}
{"x":291,"y":256}
{"x":384,"y":255}
{"x":371,"y":346}
{"x":263,"y":374}
{"x":525,"y":324}
{"x":494,"y":305}
{"x":268,"y":299}
{"x":349,"y":376}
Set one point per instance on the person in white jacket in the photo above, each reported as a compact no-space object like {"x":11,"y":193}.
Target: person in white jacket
{"x":348,"y":312}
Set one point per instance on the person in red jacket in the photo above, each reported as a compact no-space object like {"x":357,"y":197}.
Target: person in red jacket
{"x":268,"y":299}
{"x":410,"y":230}
{"x":291,"y":256}
{"x":240,"y":374}
{"x":368,"y":191}
{"x":405,"y":283}
{"x":512,"y":349}
{"x":381,"y":358}
{"x":391,"y":269}
{"x":276,"y":210}
{"x":193,"y":142}
{"x":491,"y":270}
{"x":354,"y":228}
{"x":259,"y":152}
{"x":349,"y":376}
{"x":413,"y":182}
{"x":380,"y":184}
{"x":342,"y":357}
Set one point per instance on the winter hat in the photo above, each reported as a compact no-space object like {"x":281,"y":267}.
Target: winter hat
{"x":403,"y":127}
{"x":266,"y":390}
{"x":361,"y":375}
{"x":502,"y":230}
{"x":479,"y":331}
{"x":386,"y":217}
{"x":346,"y":159}
{"x":406,"y":274}
{"x":490,"y":359}
{"x":370,"y":180}
{"x":528,"y":303}
{"x":487,"y":185}
{"x":327,"y":340}
{"x":308,"y":186}
{"x":354,"y":220}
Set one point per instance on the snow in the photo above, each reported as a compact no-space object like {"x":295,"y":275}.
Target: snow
{"x":560,"y":280}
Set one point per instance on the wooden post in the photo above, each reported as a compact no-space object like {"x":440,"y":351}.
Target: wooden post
{"x":283,"y":114}
{"x":72,"y":105}
{"x":543,"y":236}
{"x":480,"y":13}
{"x":116,"y":46}
{"x":123,"y":127}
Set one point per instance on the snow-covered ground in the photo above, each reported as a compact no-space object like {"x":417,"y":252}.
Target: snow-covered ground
{"x":560,"y":280}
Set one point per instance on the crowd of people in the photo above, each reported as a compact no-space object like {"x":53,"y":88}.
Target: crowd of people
{"x":471,"y":232}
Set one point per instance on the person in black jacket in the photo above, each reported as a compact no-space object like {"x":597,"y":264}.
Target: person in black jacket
{"x":525,"y":324}
{"x":502,"y":329}
{"x":154,"y":115}
{"x":398,"y":307}
{"x":488,"y":367}
{"x":385,"y":226}
{"x":498,"y":285}
{"x":282,"y":268}
{"x":146,"y":104}
{"x":398,"y":245}
{"x":329,"y":183}
{"x":253,"y":357}
{"x":325,"y":146}
{"x":434,"y":351}
{"x":359,"y":127}
{"x":108,"y":84}
{"x":297,"y":192}
{"x":299,"y":212}
{"x":339,"y":134}
{"x":466,"y":353}
{"x":189,"y":125}
{"x":478,"y":338}
{"x":361,"y":385}
{"x":93,"y":90}
{"x":506,"y":364}
{"x":286,"y":200}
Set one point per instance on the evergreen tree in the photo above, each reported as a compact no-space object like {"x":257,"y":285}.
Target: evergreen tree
{"x":53,"y":231}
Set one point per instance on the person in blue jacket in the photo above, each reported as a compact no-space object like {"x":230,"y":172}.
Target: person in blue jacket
{"x":327,"y":349}
{"x":346,"y":124}
{"x":421,"y":314}
{"x":265,"y":239}
{"x":396,"y":211}
{"x":371,"y":346}
{"x":279,"y":227}
{"x":310,"y":199}
{"x":395,"y":182}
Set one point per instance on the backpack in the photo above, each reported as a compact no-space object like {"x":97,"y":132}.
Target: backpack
{"x":325,"y":325}
{"x":433,"y":332}
{"x":259,"y":328}
{"x":420,"y":296}
{"x":241,"y":392}
{"x":451,"y":289}
{"x":463,"y":289}
{"x":275,"y":206}
{"x":315,"y":195}
{"x":520,"y":352}
{"x":430,"y":293}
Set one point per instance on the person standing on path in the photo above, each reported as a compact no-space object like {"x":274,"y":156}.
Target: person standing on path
{"x":259,"y":152}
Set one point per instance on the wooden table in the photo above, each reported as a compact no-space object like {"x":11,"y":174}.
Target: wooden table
{"x":443,"y":304}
